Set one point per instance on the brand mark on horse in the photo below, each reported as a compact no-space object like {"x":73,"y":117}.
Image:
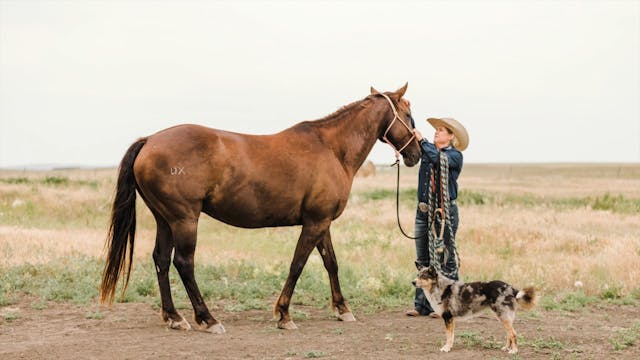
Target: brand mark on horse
{"x":177,"y":171}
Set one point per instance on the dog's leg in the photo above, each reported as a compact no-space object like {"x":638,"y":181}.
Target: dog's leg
{"x":448,"y":322}
{"x":512,"y":342}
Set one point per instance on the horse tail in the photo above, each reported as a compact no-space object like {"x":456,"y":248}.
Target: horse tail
{"x":527,"y":298}
{"x":122,"y":229}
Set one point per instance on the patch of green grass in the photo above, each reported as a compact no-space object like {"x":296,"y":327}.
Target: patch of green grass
{"x":11,"y":316}
{"x":315,"y":354}
{"x":248,"y":304}
{"x":89,"y":183}
{"x":611,"y":293}
{"x":469,"y":197}
{"x":56,"y":180}
{"x":615,"y":203}
{"x":542,"y":343}
{"x":475,"y":339}
{"x":96,"y":315}
{"x":572,"y":301}
{"x":39,"y":304}
{"x":406,"y":195}
{"x":625,"y":337}
{"x":15,"y":180}
{"x":607,"y":202}
{"x":239,"y":285}
{"x":52,"y":180}
{"x":146,"y":287}
{"x":67,"y":279}
{"x":379,"y":194}
{"x":375,"y":288}
{"x":492,"y":343}
{"x":299,"y":314}
{"x":4,"y":298}
{"x":470,"y":338}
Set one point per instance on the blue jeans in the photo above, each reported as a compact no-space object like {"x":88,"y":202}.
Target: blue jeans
{"x":422,"y":252}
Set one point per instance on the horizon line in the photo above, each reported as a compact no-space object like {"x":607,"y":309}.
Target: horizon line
{"x":62,"y":167}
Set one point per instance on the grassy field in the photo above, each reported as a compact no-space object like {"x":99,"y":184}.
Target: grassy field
{"x":551,"y":226}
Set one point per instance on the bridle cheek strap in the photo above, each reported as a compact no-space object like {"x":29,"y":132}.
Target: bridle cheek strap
{"x":396,"y":117}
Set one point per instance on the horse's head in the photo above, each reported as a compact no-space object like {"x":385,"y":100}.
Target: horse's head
{"x":399,"y":126}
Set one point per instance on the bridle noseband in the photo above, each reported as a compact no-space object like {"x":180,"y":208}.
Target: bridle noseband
{"x":396,"y":117}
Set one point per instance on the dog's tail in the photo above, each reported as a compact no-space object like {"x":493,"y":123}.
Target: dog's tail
{"x":527,"y":298}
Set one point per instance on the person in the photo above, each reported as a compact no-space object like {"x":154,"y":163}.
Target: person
{"x":450,"y":139}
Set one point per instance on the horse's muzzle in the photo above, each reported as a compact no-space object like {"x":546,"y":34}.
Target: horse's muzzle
{"x":410,"y":159}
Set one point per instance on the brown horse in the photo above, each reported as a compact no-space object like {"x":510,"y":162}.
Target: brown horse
{"x":300,"y":176}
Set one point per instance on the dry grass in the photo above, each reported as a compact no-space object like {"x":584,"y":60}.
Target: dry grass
{"x":37,"y":246}
{"x":548,"y":236}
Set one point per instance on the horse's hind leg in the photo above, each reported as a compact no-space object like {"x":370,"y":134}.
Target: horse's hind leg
{"x":162,"y":260}
{"x":338,"y":302}
{"x":185,"y":234}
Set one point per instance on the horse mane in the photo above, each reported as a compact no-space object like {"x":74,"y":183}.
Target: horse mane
{"x":335,"y":115}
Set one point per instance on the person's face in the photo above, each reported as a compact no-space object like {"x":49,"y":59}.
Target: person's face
{"x":442,"y":137}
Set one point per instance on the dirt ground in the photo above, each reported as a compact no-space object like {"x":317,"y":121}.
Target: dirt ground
{"x":135,"y":331}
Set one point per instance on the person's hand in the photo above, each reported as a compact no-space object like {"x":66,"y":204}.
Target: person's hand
{"x":418,"y":134}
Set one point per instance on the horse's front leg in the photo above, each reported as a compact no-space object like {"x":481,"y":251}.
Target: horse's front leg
{"x":311,"y":235}
{"x":338,"y":303}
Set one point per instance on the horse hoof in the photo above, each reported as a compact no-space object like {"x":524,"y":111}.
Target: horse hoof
{"x":179,"y":325}
{"x":289,"y":325}
{"x":346,"y":317}
{"x":214,"y":329}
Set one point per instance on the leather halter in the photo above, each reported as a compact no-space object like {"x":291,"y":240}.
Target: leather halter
{"x":396,"y":117}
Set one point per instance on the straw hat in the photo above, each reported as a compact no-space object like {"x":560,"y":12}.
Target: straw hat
{"x":461,"y":140}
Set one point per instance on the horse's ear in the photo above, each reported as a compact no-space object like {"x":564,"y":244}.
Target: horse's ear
{"x":400,"y":92}
{"x":374,"y":91}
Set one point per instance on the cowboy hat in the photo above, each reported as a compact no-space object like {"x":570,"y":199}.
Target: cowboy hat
{"x":461,"y":140}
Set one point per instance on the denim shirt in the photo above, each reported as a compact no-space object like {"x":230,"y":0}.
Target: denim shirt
{"x":429,"y":159}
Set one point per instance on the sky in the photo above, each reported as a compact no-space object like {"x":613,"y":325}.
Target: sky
{"x":543,"y":81}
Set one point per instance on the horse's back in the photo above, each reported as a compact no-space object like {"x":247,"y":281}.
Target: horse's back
{"x":183,"y":141}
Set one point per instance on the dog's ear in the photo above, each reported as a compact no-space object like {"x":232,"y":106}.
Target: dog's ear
{"x":418,"y":266}
{"x":432,"y":272}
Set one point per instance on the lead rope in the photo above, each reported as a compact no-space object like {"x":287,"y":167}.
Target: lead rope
{"x":438,"y":250}
{"x":397,"y":163}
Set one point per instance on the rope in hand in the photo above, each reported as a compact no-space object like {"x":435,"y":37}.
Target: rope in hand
{"x":436,"y":241}
{"x":439,"y":252}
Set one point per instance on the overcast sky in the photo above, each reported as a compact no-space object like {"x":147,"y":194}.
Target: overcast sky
{"x":553,"y":81}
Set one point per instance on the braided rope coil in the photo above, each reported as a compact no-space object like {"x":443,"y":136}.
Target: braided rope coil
{"x":439,"y":251}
